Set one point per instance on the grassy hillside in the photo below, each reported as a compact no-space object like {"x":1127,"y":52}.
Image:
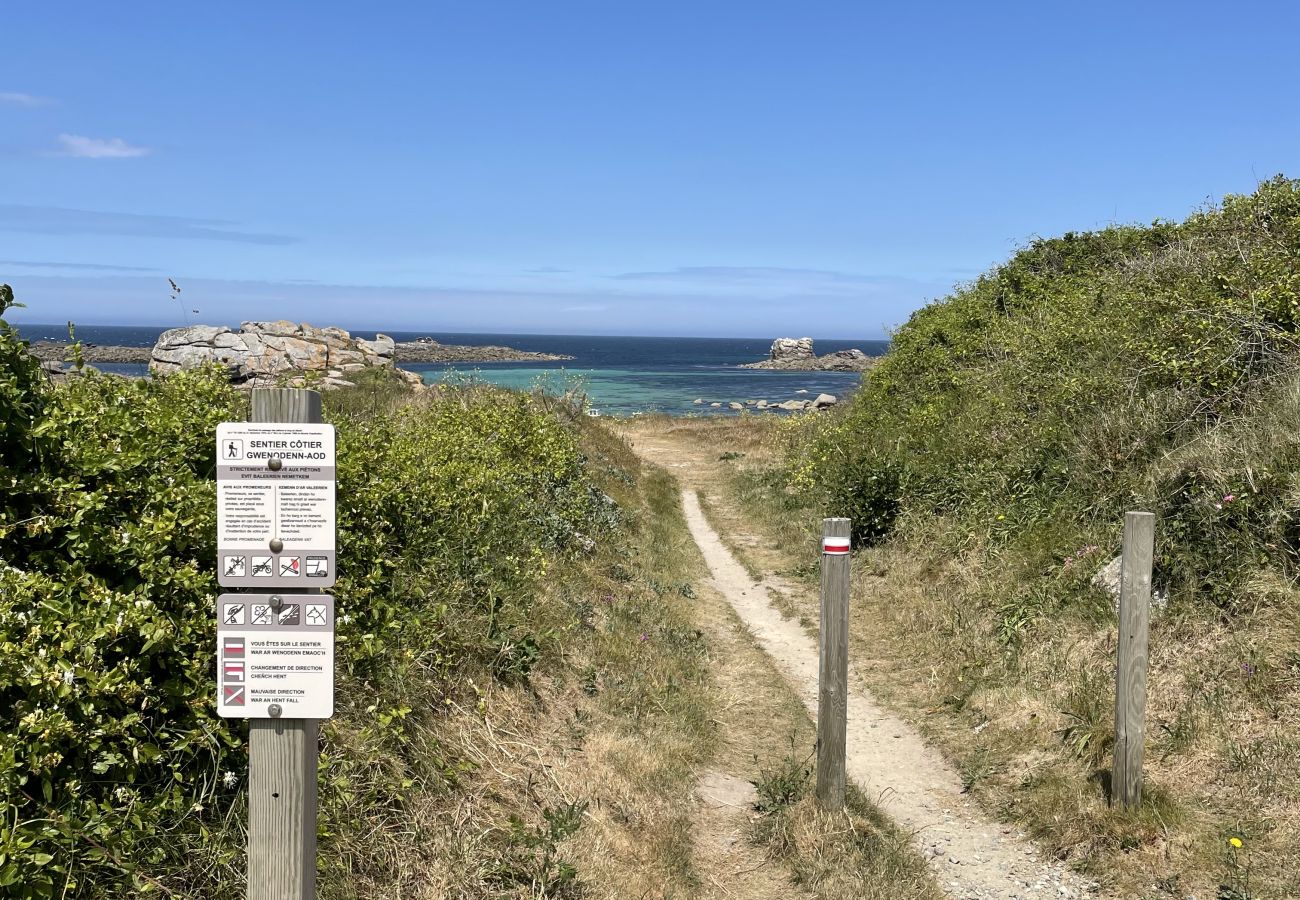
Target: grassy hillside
{"x":990,"y":457}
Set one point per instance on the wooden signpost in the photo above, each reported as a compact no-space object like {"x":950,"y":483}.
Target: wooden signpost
{"x":1131,"y":669}
{"x":276,"y":532}
{"x":833,"y":672}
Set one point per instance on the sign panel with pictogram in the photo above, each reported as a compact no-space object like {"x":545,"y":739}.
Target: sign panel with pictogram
{"x":275,"y":656}
{"x":275,"y":505}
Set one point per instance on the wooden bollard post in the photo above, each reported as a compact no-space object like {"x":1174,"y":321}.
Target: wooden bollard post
{"x":282,"y":753}
{"x":833,"y":673}
{"x":1131,"y":669}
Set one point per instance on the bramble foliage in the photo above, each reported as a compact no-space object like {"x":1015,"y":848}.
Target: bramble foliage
{"x":117,"y":777}
{"x":1046,"y":397}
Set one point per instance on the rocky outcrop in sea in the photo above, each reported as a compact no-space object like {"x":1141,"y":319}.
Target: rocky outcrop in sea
{"x":267,"y":352}
{"x":797,"y":354}
{"x":821,"y":401}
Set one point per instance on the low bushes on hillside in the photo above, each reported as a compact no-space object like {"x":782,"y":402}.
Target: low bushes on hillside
{"x":988,"y":461}
{"x":1054,"y":387}
{"x":116,"y":775}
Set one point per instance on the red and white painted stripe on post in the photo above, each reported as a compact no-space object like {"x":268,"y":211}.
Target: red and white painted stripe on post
{"x":835,"y":546}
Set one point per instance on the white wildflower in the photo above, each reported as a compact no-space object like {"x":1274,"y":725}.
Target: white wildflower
{"x":69,"y":678}
{"x":229,"y":779}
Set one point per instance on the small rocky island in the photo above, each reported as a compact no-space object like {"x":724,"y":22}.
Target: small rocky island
{"x":55,"y":351}
{"x":428,"y":350}
{"x":796,"y":354}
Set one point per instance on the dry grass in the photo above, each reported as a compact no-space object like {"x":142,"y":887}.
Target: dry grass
{"x":1029,"y":722}
{"x":854,"y":854}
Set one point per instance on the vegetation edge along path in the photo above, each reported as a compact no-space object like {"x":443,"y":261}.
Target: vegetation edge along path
{"x":971,"y":855}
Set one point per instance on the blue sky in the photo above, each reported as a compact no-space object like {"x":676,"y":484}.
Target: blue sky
{"x":704,"y":168}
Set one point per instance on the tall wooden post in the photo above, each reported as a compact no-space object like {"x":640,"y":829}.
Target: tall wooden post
{"x":1131,"y":669}
{"x":833,"y":672}
{"x":282,"y":753}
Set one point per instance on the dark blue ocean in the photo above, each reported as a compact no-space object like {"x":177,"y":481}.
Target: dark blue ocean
{"x":621,"y":375}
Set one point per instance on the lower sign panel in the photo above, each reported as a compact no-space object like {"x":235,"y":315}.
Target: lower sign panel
{"x":275,"y":656}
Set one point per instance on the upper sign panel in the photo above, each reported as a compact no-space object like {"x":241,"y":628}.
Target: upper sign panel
{"x":275,"y":505}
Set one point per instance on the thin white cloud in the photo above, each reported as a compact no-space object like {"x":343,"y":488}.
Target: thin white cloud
{"x":98,"y":148}
{"x":17,"y":98}
{"x":60,"y":221}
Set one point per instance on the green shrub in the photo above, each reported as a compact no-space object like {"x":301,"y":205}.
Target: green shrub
{"x":118,"y":778}
{"x":1092,"y":373}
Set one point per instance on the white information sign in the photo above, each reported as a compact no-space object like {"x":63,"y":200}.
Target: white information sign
{"x":275,"y":505}
{"x":275,"y":656}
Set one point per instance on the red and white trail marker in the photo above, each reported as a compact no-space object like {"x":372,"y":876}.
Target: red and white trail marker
{"x":835,"y":546}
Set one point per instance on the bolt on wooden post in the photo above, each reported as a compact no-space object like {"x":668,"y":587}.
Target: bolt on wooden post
{"x":1131,"y":667}
{"x":833,"y":672}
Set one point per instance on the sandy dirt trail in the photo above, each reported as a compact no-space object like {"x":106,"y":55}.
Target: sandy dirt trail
{"x":972,"y":855}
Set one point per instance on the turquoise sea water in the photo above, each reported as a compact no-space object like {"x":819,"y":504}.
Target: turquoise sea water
{"x":625,"y":391}
{"x":621,"y":375}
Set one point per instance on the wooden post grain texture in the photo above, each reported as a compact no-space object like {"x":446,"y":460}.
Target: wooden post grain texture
{"x":833,"y":672}
{"x":282,"y":753}
{"x":1131,"y":668}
